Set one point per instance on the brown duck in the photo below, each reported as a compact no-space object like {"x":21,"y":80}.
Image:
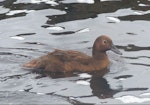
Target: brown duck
{"x":66,"y":61}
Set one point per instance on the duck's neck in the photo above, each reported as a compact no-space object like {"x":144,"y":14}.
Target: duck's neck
{"x":99,"y":55}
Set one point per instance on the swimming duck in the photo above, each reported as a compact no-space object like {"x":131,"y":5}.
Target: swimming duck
{"x":67,"y":61}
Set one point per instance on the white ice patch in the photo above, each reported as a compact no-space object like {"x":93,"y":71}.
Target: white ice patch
{"x":114,"y":19}
{"x":84,"y":75}
{"x":83,"y":82}
{"x":132,"y":99}
{"x":56,"y":28}
{"x":86,"y":1}
{"x":18,"y":11}
{"x":83,"y":30}
{"x":17,"y":37}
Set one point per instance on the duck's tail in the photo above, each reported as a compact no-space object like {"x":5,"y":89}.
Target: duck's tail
{"x":34,"y":64}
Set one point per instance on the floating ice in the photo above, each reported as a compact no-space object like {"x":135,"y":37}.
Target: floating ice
{"x":86,"y":1}
{"x":84,"y":75}
{"x":83,"y":82}
{"x":17,"y":37}
{"x":114,"y":19}
{"x":83,"y":30}
{"x":56,"y":28}
{"x":132,"y":99}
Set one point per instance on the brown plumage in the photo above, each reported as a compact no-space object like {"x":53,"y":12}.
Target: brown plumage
{"x":66,"y":61}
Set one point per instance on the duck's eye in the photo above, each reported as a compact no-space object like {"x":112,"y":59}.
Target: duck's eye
{"x":105,"y":41}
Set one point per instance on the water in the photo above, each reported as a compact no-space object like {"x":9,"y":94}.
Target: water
{"x":31,"y":28}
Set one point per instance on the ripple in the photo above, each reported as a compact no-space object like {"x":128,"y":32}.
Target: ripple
{"x":130,"y":33}
{"x":83,"y":30}
{"x":84,"y":75}
{"x":13,"y":12}
{"x":2,"y":79}
{"x":51,"y":2}
{"x":114,"y":19}
{"x":132,"y":99}
{"x":63,"y":33}
{"x":83,"y":82}
{"x":26,"y":34}
{"x":132,"y":47}
{"x":7,"y":57}
{"x":17,"y":37}
{"x":72,"y":32}
{"x":123,"y":76}
{"x":143,"y":5}
{"x":135,"y":17}
{"x":140,"y":64}
{"x":34,"y":43}
{"x":55,"y":28}
{"x":86,"y":1}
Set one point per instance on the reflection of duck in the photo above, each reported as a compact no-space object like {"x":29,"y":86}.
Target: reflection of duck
{"x":101,"y":88}
{"x":60,"y":60}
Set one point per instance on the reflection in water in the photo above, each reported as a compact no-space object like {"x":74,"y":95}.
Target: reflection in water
{"x":54,"y":75}
{"x":135,"y":17}
{"x":102,"y":89}
{"x":99,"y":85}
{"x":77,"y":11}
{"x":64,"y":33}
{"x":132,"y":47}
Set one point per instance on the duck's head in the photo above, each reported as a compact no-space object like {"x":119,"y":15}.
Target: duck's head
{"x":104,"y":43}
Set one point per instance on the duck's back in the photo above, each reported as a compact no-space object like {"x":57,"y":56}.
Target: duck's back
{"x":60,"y":60}
{"x":69,"y":55}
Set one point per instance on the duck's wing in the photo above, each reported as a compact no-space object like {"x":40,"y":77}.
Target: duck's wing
{"x":57,"y":57}
{"x":70,"y":55}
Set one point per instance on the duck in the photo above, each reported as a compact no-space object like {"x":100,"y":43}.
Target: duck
{"x":70,"y":60}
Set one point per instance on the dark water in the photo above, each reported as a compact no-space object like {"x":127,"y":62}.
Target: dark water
{"x":31,"y":28}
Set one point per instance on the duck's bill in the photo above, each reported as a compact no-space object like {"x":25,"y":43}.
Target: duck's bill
{"x":115,"y":49}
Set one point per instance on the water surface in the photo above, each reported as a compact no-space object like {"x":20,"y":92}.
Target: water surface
{"x":31,"y":28}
